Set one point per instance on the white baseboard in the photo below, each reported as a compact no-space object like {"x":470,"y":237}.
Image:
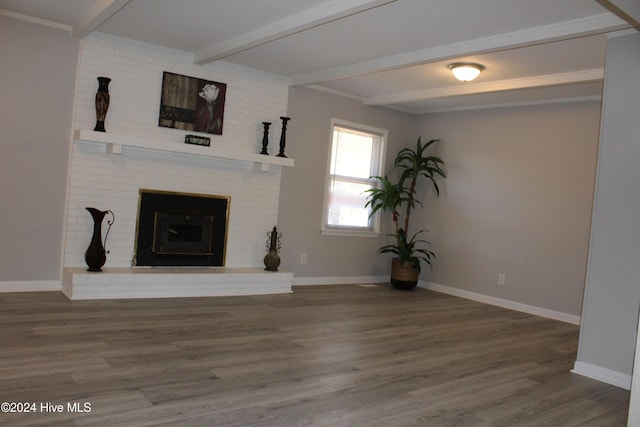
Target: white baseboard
{"x":605,"y":375}
{"x":31,"y":286}
{"x":512,"y":305}
{"x":339,"y":280}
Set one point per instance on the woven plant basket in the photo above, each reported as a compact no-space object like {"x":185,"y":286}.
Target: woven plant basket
{"x":404,"y":275}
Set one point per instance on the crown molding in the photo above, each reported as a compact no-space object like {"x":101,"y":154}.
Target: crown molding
{"x":515,"y":104}
{"x":34,"y":20}
{"x":336,"y":92}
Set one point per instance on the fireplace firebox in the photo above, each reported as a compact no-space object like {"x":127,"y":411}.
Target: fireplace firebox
{"x":181,"y":229}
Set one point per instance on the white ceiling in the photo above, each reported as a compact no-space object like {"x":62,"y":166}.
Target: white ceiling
{"x":386,"y":53}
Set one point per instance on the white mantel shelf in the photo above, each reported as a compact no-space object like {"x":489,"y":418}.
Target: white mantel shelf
{"x":172,"y":282}
{"x":115,"y":143}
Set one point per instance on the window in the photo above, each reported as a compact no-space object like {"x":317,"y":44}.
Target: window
{"x":357,"y":153}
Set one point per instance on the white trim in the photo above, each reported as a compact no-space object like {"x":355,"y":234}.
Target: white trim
{"x":339,"y":280}
{"x":604,"y":375}
{"x":512,"y":305}
{"x":573,"y":77}
{"x":378,"y":160}
{"x":348,"y":232}
{"x":634,"y":399}
{"x":35,"y":20}
{"x":336,"y":92}
{"x":532,"y":103}
{"x":622,"y":33}
{"x":31,"y":286}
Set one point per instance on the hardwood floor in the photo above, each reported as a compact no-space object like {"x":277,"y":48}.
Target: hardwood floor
{"x":322,"y":356}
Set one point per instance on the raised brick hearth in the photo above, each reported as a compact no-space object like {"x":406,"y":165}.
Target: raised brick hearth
{"x":163,"y":282}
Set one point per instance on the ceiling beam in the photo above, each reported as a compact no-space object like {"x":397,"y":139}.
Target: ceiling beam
{"x":327,"y":12}
{"x":548,"y":33}
{"x":99,"y":13}
{"x":584,"y":76}
{"x":628,"y":10}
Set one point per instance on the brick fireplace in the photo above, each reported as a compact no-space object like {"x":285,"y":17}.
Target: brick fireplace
{"x":108,"y":170}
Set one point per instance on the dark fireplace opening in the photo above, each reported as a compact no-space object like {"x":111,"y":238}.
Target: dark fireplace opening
{"x":181,"y":229}
{"x":182,"y":234}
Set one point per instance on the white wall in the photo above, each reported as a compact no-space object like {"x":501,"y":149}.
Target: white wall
{"x":517,"y":200}
{"x":38,"y":69}
{"x":612,"y":292}
{"x":107,"y":181}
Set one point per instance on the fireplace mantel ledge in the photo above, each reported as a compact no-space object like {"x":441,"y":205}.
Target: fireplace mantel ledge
{"x":115,"y":142}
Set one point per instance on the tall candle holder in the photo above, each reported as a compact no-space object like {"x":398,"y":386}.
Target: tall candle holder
{"x":265,"y":138}
{"x":283,"y":135}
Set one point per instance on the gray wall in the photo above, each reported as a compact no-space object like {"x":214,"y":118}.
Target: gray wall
{"x":302,"y":187}
{"x":38,"y":70}
{"x":612,"y":292}
{"x":517,"y":200}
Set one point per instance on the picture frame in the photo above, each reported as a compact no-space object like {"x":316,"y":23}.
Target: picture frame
{"x":192,"y":104}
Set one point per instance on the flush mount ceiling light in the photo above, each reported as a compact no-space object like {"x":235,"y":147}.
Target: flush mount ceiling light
{"x":465,"y":71}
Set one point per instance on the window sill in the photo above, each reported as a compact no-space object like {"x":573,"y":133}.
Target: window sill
{"x":348,"y":232}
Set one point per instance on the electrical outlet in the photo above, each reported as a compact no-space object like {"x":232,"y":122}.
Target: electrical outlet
{"x":303,"y":257}
{"x":502,"y":278}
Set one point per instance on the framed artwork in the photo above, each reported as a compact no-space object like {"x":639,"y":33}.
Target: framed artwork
{"x":192,"y":104}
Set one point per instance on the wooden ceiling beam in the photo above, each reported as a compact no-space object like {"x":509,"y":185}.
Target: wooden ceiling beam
{"x":548,"y":33}
{"x":322,"y":14}
{"x":102,"y":11}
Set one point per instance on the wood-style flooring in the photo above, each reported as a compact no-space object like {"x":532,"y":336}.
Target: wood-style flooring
{"x":322,"y":356}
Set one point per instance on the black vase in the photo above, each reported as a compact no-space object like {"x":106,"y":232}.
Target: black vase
{"x":96,"y":255}
{"x":102,"y":103}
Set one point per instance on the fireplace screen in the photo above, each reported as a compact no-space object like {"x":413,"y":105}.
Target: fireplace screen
{"x":181,"y":229}
{"x":182,"y":234}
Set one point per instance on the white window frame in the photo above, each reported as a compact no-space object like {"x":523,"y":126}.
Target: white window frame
{"x":377,"y":168}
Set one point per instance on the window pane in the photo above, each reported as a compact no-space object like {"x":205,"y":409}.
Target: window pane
{"x":357,"y":153}
{"x":346,"y":204}
{"x":352,"y":154}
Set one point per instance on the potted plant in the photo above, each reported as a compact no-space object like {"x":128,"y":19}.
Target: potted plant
{"x":392,"y":196}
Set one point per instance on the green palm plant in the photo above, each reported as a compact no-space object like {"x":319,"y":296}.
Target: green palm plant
{"x":411,"y":163}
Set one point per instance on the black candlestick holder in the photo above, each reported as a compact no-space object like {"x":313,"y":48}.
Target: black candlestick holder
{"x":265,"y":138}
{"x":283,"y":138}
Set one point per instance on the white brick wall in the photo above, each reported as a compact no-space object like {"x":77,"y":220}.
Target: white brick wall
{"x":107,"y":181}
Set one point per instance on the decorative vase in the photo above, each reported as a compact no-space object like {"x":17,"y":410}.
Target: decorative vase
{"x":283,"y":138}
{"x":272,"y":259}
{"x":265,"y":137}
{"x":404,"y":275}
{"x":96,"y":255}
{"x":102,"y":103}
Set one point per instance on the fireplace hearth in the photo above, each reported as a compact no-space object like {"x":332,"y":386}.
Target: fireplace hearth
{"x":181,"y":229}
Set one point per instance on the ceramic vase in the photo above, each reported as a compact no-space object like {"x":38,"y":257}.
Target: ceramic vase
{"x":96,"y":255}
{"x":102,"y":103}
